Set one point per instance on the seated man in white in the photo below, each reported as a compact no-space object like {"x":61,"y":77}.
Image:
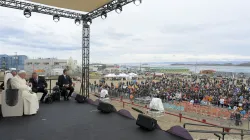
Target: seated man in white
{"x":31,"y":103}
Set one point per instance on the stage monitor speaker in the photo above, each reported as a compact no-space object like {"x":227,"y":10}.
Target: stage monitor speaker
{"x":80,"y":98}
{"x":146,"y":122}
{"x":105,"y":107}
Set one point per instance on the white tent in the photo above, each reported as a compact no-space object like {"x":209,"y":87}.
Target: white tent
{"x":123,"y":75}
{"x":110,"y":76}
{"x":132,"y":75}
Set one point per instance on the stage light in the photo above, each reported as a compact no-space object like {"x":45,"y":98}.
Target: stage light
{"x":27,"y":13}
{"x":118,"y":8}
{"x":104,"y":15}
{"x":89,"y":21}
{"x":137,"y":2}
{"x":56,"y":18}
{"x":77,"y":21}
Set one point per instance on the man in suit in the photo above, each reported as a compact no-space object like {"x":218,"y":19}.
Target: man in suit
{"x":39,"y":85}
{"x":65,"y":83}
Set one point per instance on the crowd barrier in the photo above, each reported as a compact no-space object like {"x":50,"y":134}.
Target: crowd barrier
{"x":211,"y":111}
{"x":174,"y":107}
{"x":180,"y":116}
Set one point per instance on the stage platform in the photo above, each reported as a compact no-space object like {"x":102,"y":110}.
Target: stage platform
{"x":72,"y":121}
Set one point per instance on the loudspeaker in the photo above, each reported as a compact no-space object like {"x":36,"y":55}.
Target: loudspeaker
{"x":146,"y":122}
{"x":105,"y":107}
{"x":80,"y":98}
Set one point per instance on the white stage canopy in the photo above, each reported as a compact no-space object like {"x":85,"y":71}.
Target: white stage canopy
{"x":78,"y":5}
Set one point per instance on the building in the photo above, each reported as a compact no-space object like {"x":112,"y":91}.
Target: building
{"x":12,"y":61}
{"x":48,"y":66}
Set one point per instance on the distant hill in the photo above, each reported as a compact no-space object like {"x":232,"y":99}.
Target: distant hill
{"x":247,"y":64}
{"x":206,"y":63}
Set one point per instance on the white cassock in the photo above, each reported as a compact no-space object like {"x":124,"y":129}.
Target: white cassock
{"x":6,"y":78}
{"x":31,"y":102}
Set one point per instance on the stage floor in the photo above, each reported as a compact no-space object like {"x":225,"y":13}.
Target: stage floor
{"x":72,"y":121}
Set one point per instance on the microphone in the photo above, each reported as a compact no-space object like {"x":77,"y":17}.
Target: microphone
{"x":137,"y":110}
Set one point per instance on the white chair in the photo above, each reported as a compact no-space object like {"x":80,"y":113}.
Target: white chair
{"x":12,"y":107}
{"x":156,"y":108}
{"x":104,"y":96}
{"x":107,"y":100}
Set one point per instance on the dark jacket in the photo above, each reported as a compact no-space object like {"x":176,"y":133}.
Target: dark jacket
{"x":41,"y":83}
{"x":63,"y":81}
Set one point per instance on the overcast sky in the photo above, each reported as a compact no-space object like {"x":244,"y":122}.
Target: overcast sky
{"x":155,"y":31}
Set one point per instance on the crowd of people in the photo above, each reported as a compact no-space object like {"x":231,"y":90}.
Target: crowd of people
{"x":230,"y":93}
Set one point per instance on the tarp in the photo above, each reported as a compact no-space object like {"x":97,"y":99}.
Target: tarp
{"x":78,"y":5}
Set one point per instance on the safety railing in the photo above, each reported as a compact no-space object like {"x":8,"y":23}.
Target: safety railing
{"x":225,"y":130}
{"x":180,"y":115}
{"x":199,"y":112}
{"x":50,"y":83}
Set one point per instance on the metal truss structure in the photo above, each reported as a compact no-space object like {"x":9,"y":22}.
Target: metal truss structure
{"x":15,"y":4}
{"x":111,"y":6}
{"x":39,"y":9}
{"x":85,"y":59}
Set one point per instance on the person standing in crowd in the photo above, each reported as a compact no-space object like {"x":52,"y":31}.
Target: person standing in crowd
{"x":65,"y":83}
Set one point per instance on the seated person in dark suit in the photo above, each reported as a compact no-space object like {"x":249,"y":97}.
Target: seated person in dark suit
{"x":65,"y":83}
{"x":39,"y":85}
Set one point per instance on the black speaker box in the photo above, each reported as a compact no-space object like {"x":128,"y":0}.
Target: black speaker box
{"x":146,"y":122}
{"x":105,"y":107}
{"x":80,"y":98}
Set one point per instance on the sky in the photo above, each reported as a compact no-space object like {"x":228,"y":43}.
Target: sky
{"x":155,"y":31}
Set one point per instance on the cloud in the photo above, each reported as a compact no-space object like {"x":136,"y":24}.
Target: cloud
{"x":158,"y":30}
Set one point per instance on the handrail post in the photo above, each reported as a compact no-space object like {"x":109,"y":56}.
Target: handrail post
{"x":50,"y":85}
{"x":223,"y":133}
{"x":180,"y":117}
{"x":242,"y":134}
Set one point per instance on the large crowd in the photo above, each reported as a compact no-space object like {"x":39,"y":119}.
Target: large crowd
{"x":230,"y":93}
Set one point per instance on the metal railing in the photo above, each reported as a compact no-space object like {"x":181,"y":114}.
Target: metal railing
{"x":225,"y":130}
{"x":50,"y":83}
